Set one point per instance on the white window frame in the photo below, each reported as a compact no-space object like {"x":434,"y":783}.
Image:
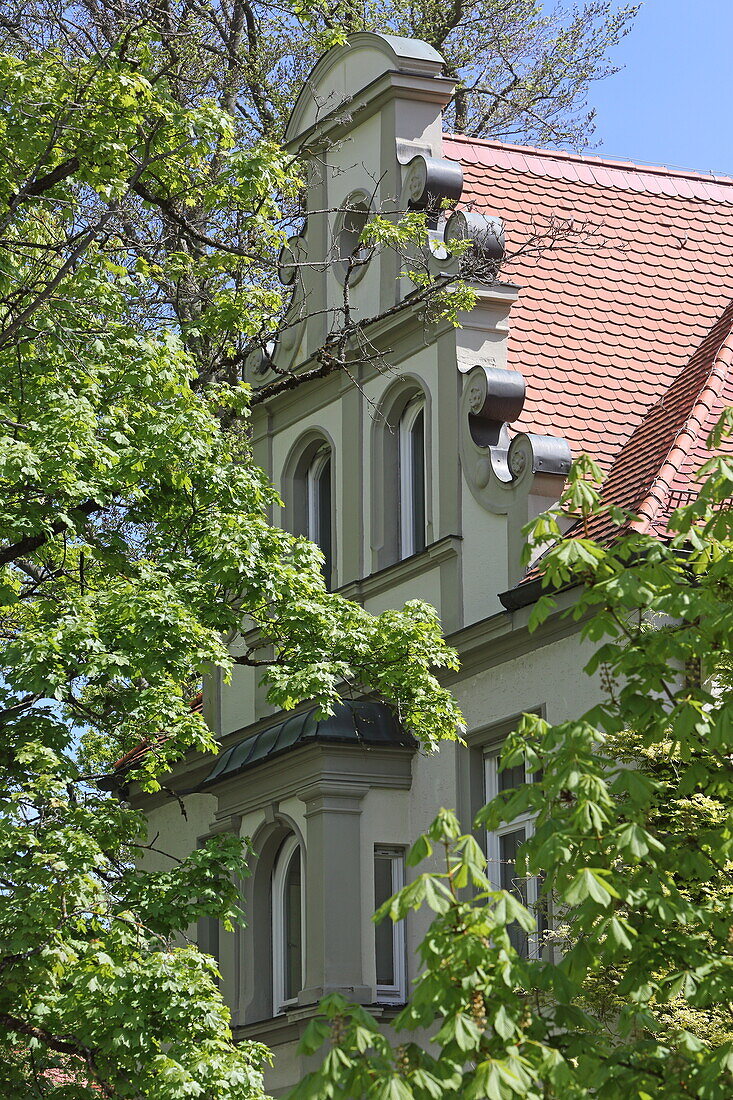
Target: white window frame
{"x":407,"y":473}
{"x":524,"y":821}
{"x":279,"y":873}
{"x":313,"y":491}
{"x":396,"y":993}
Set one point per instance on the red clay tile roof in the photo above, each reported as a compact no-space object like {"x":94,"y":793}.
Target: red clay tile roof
{"x":655,"y":470}
{"x":605,"y":322}
{"x":138,"y":753}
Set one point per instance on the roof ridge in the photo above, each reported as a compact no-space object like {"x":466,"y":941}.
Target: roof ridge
{"x":603,"y":162}
{"x":694,"y":422}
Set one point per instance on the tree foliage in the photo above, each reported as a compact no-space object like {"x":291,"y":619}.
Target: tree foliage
{"x":134,"y":539}
{"x":633,"y":840}
{"x":122,"y":134}
{"x":523,"y":68}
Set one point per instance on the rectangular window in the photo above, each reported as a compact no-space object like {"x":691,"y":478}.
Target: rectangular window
{"x":208,"y":938}
{"x":502,"y":847}
{"x":208,"y":930}
{"x":389,"y":937}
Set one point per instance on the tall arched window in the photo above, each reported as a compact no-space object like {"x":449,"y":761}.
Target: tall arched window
{"x":318,"y":506}
{"x":401,"y":519}
{"x":288,"y":924}
{"x":411,"y":456}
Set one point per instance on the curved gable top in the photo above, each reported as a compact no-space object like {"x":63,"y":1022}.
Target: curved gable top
{"x":346,"y":70}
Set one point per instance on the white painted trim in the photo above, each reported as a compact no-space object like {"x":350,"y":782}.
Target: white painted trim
{"x":396,"y":993}
{"x":408,"y":473}
{"x":280,"y":870}
{"x":312,"y":488}
{"x":493,"y":841}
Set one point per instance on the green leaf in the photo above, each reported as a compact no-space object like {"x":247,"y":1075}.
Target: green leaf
{"x":420,"y":850}
{"x":394,"y":1088}
{"x":502,"y":1023}
{"x":590,"y":883}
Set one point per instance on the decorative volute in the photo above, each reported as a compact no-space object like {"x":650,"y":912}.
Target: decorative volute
{"x":496,"y":465}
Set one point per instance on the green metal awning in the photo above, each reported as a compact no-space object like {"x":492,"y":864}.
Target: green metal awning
{"x":358,"y":723}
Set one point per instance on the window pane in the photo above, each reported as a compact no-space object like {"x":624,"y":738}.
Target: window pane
{"x":293,"y":928}
{"x":208,"y":938}
{"x":384,"y":932}
{"x":417,"y":445}
{"x":323,"y":535}
{"x":510,"y":778}
{"x":508,"y":847}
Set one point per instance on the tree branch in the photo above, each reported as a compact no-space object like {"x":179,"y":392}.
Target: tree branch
{"x":60,"y":1044}
{"x":31,"y":543}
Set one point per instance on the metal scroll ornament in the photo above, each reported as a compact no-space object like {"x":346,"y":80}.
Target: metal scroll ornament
{"x":497,"y":465}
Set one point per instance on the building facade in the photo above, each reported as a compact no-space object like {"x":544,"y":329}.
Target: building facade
{"x":606,"y":331}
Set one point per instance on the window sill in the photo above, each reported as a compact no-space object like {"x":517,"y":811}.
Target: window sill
{"x":400,"y":571}
{"x":289,"y":1026}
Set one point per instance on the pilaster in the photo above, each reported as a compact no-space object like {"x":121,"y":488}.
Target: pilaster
{"x":333,"y":877}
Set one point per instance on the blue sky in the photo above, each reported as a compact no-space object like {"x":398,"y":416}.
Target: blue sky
{"x":673,"y":102}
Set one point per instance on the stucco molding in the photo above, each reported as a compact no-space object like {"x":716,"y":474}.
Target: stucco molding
{"x":290,"y":1025}
{"x":447,"y":549}
{"x":231,"y":824}
{"x":398,"y":336}
{"x":333,"y":797}
{"x":382,"y":62}
{"x":289,"y":775}
{"x":505,"y":636}
{"x":337,"y":117}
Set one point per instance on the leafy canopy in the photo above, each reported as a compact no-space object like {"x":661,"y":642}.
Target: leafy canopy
{"x":523,"y":68}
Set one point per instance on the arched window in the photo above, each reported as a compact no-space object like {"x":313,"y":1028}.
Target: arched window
{"x":318,"y":506}
{"x":401,"y":519}
{"x":307,"y":488}
{"x":411,"y":459}
{"x":288,"y":924}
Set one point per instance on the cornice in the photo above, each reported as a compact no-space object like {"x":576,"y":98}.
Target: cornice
{"x":505,"y":636}
{"x":405,"y":570}
{"x":399,"y":335}
{"x":290,"y":1025}
{"x":354,"y":110}
{"x":349,"y":767}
